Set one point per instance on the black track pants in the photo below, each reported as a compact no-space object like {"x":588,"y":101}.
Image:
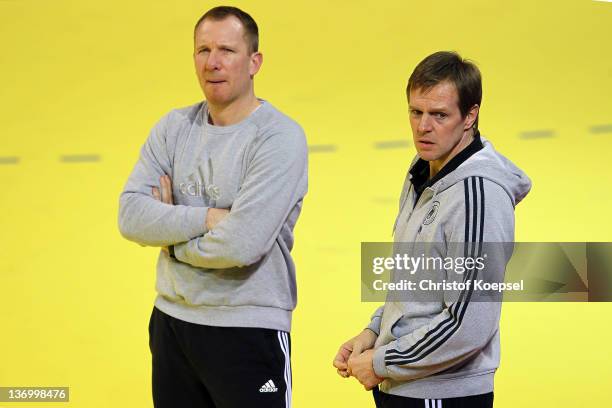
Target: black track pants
{"x":218,"y":367}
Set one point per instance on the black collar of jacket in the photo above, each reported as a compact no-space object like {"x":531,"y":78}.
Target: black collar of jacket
{"x":420,"y":171}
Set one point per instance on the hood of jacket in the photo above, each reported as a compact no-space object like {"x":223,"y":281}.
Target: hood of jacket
{"x":492,"y":165}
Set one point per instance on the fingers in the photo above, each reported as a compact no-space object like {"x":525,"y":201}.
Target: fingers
{"x":165,"y":183}
{"x":343,"y":373}
{"x":354,"y":359}
{"x":214,"y":216}
{"x":340,"y":364}
{"x":166,"y":189}
{"x":341,"y":359}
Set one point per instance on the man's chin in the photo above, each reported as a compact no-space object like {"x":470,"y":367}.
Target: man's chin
{"x":427,"y":155}
{"x":214,"y":98}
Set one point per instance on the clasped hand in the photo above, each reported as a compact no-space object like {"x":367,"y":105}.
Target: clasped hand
{"x":355,"y":358}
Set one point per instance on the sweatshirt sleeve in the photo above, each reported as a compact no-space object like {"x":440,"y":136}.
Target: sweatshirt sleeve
{"x":142,"y":218}
{"x":274,"y":184}
{"x":484,"y":214}
{"x":375,"y":320}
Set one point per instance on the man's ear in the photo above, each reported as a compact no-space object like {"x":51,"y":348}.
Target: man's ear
{"x":471,"y":117}
{"x":255,"y":63}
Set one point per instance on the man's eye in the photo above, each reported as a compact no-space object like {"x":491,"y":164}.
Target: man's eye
{"x":415,"y":112}
{"x":440,"y":115}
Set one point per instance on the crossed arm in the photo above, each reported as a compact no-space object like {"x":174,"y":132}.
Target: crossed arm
{"x":213,"y":238}
{"x":213,"y":215}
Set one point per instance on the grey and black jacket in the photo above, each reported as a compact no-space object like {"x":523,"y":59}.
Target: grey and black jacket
{"x":450,"y":347}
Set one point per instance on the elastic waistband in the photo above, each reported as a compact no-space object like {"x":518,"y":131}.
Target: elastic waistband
{"x":438,"y":388}
{"x":228,"y":316}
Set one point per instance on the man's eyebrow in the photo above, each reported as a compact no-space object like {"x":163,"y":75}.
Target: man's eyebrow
{"x":434,"y":109}
{"x":219,"y":45}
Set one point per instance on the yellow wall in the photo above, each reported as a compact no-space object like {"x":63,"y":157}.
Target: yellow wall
{"x":92,"y":78}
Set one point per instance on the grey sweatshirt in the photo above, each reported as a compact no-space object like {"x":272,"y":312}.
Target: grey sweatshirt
{"x":450,"y":347}
{"x":240,"y":273}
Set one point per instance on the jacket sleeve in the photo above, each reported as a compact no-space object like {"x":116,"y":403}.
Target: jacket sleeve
{"x":274,"y":184}
{"x":484,"y":214}
{"x":142,"y":218}
{"x":375,"y":320}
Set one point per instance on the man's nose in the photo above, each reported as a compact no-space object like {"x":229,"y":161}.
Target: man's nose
{"x":425,"y":123}
{"x":212,"y":62}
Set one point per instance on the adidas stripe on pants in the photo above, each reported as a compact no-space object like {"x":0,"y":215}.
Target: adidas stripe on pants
{"x":218,"y":367}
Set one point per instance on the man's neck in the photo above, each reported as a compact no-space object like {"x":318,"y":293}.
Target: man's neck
{"x":234,"y":112}
{"x":436,"y":165}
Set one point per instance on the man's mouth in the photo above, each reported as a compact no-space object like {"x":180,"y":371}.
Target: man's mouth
{"x":216,"y":81}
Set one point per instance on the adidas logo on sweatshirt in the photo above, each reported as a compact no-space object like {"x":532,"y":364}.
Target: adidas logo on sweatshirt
{"x":268,"y":387}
